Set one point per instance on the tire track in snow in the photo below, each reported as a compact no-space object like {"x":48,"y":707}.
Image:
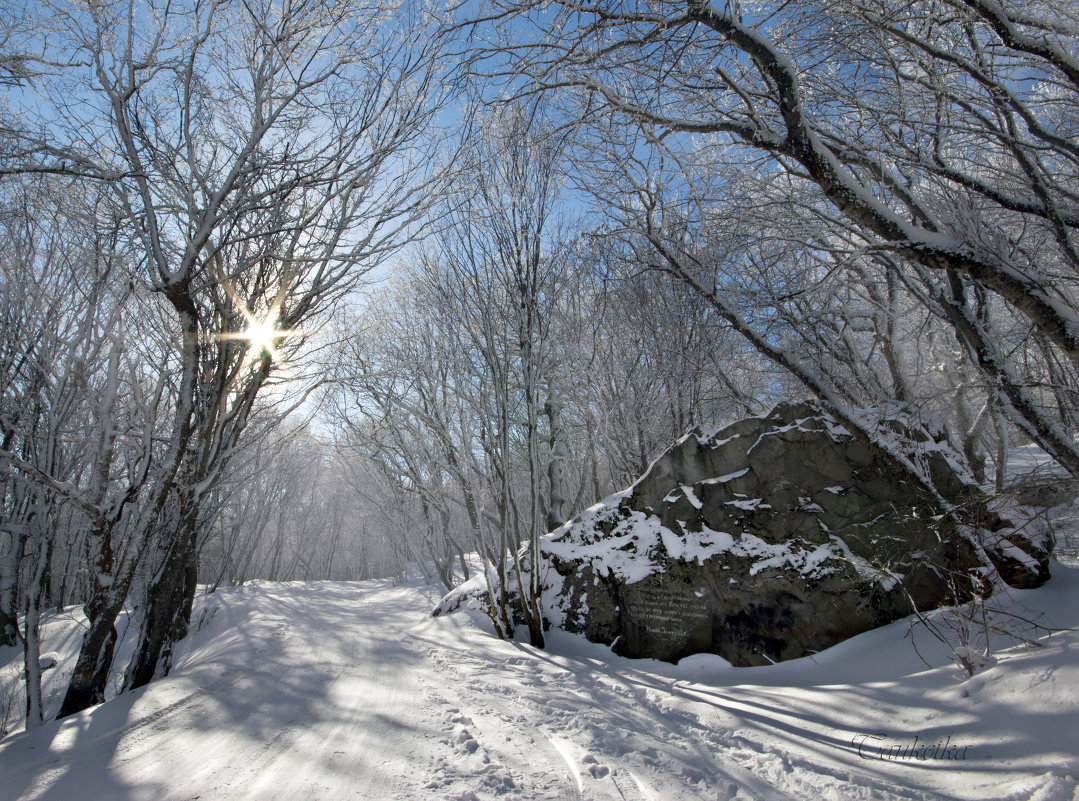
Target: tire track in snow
{"x":630,"y":787}
{"x":574,"y":790}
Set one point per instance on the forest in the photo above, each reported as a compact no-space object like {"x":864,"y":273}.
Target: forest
{"x":321,"y":289}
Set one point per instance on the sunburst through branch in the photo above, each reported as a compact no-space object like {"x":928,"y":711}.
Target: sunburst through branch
{"x":261,"y":333}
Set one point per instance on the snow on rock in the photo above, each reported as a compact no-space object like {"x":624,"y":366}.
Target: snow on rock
{"x":777,"y":537}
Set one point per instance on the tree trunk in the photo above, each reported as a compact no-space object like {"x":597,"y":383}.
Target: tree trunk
{"x":168,"y":609}
{"x":87,"y":685}
{"x":88,"y":681}
{"x":182,"y":624}
{"x":556,"y":511}
{"x":35,"y":596}
{"x":35,"y":714}
{"x":9,"y":591}
{"x":112,"y":582}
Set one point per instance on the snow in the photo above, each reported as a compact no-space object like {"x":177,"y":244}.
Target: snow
{"x":625,"y":552}
{"x":332,"y":690}
{"x":350,"y":690}
{"x":687,"y":492}
{"x":630,"y":551}
{"x":749,"y":504}
{"x":727,"y":478}
{"x":1031,"y":461}
{"x":797,"y":425}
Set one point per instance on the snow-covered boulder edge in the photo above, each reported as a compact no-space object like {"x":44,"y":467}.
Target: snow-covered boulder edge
{"x":774,"y":538}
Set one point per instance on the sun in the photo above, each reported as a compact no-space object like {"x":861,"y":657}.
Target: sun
{"x":262,"y":336}
{"x":260,"y":331}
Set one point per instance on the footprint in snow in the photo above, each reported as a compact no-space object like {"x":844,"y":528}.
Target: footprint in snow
{"x":597,"y":770}
{"x":465,"y":740}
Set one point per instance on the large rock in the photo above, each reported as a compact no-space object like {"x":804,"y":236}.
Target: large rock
{"x":774,"y":538}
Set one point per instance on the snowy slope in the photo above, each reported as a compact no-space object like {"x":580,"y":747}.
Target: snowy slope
{"x":337,"y":690}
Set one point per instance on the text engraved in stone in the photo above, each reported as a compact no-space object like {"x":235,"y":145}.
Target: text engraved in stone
{"x":662,"y":611}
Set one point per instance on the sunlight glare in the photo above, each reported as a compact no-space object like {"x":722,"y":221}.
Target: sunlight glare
{"x":262,"y":336}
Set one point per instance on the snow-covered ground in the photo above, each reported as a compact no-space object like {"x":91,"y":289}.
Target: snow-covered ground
{"x":349,"y":690}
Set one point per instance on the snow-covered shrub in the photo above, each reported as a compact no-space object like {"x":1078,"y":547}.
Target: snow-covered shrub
{"x":10,"y":699}
{"x":204,"y":618}
{"x":972,"y":660}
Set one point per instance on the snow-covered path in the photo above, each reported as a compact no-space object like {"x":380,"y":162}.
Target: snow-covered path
{"x":304,"y":691}
{"x":349,"y":691}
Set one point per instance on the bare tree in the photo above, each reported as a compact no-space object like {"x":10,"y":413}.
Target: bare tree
{"x":259,"y":161}
{"x":458,"y":397}
{"x":938,"y":136}
{"x":62,"y":363}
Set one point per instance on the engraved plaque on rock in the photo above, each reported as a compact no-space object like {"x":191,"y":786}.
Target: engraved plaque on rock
{"x":663,"y":620}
